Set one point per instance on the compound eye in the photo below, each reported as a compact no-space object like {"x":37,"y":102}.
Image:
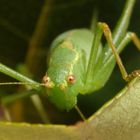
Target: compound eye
{"x":46,"y":79}
{"x":71,"y":79}
{"x":47,"y":82}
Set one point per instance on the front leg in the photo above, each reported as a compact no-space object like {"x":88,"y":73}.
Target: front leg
{"x":132,"y":36}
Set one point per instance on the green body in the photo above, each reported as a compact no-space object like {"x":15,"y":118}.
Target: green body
{"x":70,"y":54}
{"x":80,"y":53}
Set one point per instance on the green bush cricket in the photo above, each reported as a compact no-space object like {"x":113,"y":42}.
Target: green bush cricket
{"x":79,"y":63}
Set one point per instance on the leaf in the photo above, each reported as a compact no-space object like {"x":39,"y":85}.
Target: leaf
{"x":119,"y":119}
{"x":10,"y":131}
{"x":18,"y":20}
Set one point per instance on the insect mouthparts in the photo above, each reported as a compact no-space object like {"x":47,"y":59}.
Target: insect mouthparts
{"x":62,"y":86}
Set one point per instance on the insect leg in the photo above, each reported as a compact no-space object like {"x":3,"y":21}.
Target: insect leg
{"x":95,"y":52}
{"x":134,"y":38}
{"x":30,"y":84}
{"x":94,"y":20}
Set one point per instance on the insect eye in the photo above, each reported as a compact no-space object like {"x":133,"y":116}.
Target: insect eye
{"x":46,"y":79}
{"x":47,"y":82}
{"x":71,"y":79}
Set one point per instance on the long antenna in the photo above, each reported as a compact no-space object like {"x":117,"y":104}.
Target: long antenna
{"x":21,"y":83}
{"x":35,"y":99}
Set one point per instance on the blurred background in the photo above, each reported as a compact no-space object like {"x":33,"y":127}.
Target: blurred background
{"x":27,"y":29}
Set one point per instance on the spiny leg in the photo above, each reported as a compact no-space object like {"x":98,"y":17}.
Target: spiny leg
{"x":94,"y":56}
{"x":134,"y":38}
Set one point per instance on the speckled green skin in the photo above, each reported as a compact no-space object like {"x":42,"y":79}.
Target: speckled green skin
{"x":69,"y":55}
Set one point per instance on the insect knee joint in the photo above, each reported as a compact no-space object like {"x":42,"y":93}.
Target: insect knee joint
{"x":132,"y":35}
{"x":104,"y":27}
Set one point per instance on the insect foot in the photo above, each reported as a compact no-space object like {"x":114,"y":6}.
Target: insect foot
{"x":132,"y":75}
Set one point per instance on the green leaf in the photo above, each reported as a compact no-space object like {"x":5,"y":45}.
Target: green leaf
{"x":119,"y":119}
